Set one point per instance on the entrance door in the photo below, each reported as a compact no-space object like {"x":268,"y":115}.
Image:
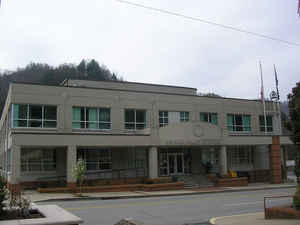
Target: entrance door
{"x":176,"y":164}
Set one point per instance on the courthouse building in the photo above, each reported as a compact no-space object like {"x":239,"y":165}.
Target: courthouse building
{"x":134,"y":130}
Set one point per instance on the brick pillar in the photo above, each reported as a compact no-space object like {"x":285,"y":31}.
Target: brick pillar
{"x":275,"y":162}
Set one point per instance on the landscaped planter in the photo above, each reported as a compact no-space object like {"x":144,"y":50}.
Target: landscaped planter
{"x":232,"y":182}
{"x":117,"y":188}
{"x":53,"y":215}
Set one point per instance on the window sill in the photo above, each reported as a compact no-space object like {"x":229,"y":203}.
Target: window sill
{"x":35,"y":128}
{"x":233,"y":133}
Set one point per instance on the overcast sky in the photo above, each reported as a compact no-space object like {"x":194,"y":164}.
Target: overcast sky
{"x":147,"y":46}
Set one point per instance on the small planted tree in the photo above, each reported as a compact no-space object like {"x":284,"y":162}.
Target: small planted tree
{"x":78,"y":172}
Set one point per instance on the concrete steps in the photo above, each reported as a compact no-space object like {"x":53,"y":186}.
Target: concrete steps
{"x":195,"y":181}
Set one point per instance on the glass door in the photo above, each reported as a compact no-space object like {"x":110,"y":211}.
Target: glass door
{"x":176,"y":163}
{"x":172,"y":162}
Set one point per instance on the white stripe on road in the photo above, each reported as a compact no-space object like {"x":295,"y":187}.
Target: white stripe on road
{"x":244,"y":203}
{"x":253,"y":203}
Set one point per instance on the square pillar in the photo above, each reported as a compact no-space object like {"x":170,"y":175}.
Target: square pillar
{"x":275,"y":161}
{"x":15,"y":169}
{"x":71,"y":161}
{"x":153,"y":162}
{"x":223,"y":160}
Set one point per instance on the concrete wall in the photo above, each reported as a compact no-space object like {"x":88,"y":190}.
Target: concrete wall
{"x":66,"y":97}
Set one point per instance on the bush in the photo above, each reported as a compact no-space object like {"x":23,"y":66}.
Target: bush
{"x":296,"y":198}
{"x":3,"y":193}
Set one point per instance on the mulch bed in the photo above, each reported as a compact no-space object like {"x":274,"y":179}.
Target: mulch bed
{"x":283,"y":212}
{"x":13,"y":215}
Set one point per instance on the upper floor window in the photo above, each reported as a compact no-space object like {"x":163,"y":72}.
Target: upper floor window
{"x":184,"y":116}
{"x":91,"y":118}
{"x":135,"y":119}
{"x":26,"y":115}
{"x":209,"y":117}
{"x":163,"y":118}
{"x":237,"y":122}
{"x":269,"y":126}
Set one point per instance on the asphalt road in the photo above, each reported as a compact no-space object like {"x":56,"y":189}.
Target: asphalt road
{"x":192,"y":209}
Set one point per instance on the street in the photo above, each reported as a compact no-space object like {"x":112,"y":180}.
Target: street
{"x":172,"y":210}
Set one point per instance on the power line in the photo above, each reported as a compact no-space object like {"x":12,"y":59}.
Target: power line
{"x":209,"y":22}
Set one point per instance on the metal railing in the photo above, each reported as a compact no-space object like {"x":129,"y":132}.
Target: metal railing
{"x":117,"y":174}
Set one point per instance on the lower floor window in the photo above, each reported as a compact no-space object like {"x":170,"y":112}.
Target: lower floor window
{"x":96,"y":159}
{"x":241,"y":156}
{"x":38,"y":160}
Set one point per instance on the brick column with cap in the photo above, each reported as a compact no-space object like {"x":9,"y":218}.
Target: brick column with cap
{"x":275,"y":162}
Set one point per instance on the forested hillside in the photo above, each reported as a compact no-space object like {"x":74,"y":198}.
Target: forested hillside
{"x":46,"y":74}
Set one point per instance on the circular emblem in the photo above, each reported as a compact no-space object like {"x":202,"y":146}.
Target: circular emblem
{"x":198,"y":131}
{"x":273,"y":95}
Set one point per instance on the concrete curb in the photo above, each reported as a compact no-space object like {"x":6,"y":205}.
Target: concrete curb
{"x":165,"y":195}
{"x":214,"y":219}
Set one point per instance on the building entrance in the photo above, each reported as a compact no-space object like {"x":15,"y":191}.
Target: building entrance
{"x":176,"y":163}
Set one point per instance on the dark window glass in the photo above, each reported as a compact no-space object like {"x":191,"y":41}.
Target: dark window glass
{"x":50,"y":113}
{"x":129,"y":115}
{"x":22,"y":112}
{"x":35,"y":112}
{"x":140,"y":116}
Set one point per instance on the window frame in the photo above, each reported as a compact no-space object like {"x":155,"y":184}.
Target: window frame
{"x":28,"y":119}
{"x":42,"y":162}
{"x":241,"y":156}
{"x":270,"y":128}
{"x":87,"y":122}
{"x":209,"y":117}
{"x":99,"y":161}
{"x":135,"y":123}
{"x":184,"y":116}
{"x":235,"y":127}
{"x":165,"y":116}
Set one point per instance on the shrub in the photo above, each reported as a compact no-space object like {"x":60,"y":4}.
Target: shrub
{"x":78,"y":172}
{"x":3,"y":193}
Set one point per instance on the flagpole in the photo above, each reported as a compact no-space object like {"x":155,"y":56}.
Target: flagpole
{"x":278,"y":102}
{"x":263,"y":96}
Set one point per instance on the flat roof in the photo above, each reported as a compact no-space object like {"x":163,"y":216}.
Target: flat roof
{"x":137,"y":91}
{"x":129,"y":82}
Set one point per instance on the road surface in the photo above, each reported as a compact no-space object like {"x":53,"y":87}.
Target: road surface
{"x":178,"y":210}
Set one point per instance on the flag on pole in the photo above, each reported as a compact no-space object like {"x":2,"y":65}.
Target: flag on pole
{"x":276,"y":81}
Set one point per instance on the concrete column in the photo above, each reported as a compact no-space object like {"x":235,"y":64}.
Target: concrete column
{"x":275,"y":161}
{"x":223,"y":160}
{"x":153,"y":162}
{"x":71,"y":161}
{"x":261,"y":157}
{"x":15,"y":170}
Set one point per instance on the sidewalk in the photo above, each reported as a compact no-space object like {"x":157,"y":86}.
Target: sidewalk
{"x":251,"y":219}
{"x":35,"y":196}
